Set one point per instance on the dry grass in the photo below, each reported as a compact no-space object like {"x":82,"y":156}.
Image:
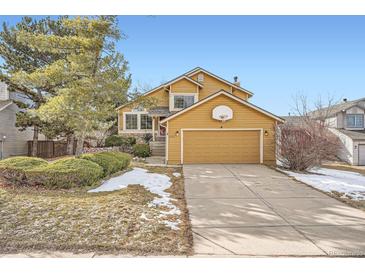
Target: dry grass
{"x":74,"y":220}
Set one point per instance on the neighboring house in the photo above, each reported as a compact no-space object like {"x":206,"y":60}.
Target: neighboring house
{"x":346,"y":120}
{"x":12,"y":141}
{"x":202,"y":118}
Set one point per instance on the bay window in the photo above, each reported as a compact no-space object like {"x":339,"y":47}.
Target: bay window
{"x":355,"y":120}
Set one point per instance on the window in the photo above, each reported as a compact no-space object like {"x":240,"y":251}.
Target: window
{"x":183,"y":101}
{"x":131,"y":121}
{"x":146,"y":121}
{"x":355,"y":120}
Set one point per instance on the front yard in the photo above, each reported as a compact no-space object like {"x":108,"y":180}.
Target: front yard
{"x":340,"y":183}
{"x":122,"y":221}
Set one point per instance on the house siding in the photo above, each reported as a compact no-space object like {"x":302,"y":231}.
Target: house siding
{"x":16,"y":141}
{"x":201,"y":117}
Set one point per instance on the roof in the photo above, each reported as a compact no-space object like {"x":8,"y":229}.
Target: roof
{"x":186,"y":76}
{"x":354,"y":134}
{"x":294,"y":120}
{"x":199,"y":69}
{"x":336,"y":108}
{"x":159,"y":111}
{"x":5,"y":104}
{"x":226,"y":93}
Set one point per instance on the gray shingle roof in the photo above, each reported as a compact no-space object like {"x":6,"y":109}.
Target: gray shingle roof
{"x":159,"y":111}
{"x":354,"y":134}
{"x":336,"y":108}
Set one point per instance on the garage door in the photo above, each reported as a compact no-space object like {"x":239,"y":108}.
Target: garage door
{"x":221,"y":146}
{"x":362,"y":155}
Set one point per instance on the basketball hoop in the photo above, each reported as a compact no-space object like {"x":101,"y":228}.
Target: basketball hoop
{"x":222,"y":113}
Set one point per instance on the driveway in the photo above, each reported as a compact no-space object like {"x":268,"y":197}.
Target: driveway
{"x":252,"y":210}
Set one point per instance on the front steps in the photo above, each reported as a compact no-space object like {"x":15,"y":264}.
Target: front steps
{"x":158,"y":148}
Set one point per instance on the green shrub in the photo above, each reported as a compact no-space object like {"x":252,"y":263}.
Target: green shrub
{"x":114,"y":141}
{"x":14,"y":168}
{"x":141,"y":150}
{"x":108,"y":162}
{"x":123,"y":158}
{"x":131,"y":141}
{"x":65,"y":173}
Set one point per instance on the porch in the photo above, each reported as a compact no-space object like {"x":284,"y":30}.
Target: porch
{"x":158,"y":143}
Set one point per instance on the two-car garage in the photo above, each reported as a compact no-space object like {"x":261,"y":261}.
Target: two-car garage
{"x":221,"y":146}
{"x":239,"y":132}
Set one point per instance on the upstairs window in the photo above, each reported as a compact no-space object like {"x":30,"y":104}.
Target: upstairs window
{"x":131,"y":121}
{"x":355,"y":120}
{"x":183,"y":101}
{"x":146,"y":121}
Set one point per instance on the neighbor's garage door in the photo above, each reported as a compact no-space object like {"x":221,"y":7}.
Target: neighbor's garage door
{"x":220,"y":146}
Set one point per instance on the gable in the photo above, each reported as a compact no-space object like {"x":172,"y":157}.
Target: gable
{"x":241,"y":106}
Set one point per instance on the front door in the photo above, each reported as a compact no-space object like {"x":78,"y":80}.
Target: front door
{"x":161,"y":129}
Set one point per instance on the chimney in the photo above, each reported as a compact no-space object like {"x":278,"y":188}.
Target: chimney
{"x":235,"y":81}
{"x":345,"y":99}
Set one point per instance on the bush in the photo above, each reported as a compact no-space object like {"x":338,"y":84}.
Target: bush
{"x":141,"y":150}
{"x":114,"y":141}
{"x":65,"y":173}
{"x":147,"y":137}
{"x":131,"y":141}
{"x":107,"y":161}
{"x":14,"y":168}
{"x":123,"y":158}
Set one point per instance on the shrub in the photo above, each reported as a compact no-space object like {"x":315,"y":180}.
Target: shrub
{"x":141,"y":150}
{"x":123,"y":158}
{"x":14,"y":168}
{"x":131,"y":141}
{"x":114,"y":141}
{"x":107,"y":161}
{"x":65,"y":173}
{"x":147,"y":137}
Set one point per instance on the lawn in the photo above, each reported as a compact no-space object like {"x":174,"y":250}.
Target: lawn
{"x":345,"y":184}
{"x":119,"y":222}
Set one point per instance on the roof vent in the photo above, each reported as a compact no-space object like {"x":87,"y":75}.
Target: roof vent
{"x":235,"y":81}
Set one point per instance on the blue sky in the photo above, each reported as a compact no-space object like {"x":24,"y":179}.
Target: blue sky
{"x":275,"y":57}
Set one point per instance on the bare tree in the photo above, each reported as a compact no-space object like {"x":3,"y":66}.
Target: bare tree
{"x":307,"y":141}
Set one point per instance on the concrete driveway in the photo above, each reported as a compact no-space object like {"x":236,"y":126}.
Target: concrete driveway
{"x":252,"y":210}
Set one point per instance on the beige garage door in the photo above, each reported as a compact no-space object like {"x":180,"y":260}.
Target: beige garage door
{"x":221,"y":146}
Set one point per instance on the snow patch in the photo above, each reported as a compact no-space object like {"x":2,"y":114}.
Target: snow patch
{"x":153,"y":182}
{"x":351,"y":184}
{"x":176,"y":174}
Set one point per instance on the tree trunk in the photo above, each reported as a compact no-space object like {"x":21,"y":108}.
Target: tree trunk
{"x":70,"y":144}
{"x":80,"y":145}
{"x":35,"y":141}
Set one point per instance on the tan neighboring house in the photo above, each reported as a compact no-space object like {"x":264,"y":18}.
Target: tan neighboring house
{"x":202,"y":118}
{"x":346,"y":120}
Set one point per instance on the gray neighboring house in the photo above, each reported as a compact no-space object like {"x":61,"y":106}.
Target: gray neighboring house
{"x":12,"y":141}
{"x":346,"y":120}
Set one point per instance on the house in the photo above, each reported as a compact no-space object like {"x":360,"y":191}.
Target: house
{"x":201,"y":118}
{"x":12,"y":141}
{"x":346,"y":120}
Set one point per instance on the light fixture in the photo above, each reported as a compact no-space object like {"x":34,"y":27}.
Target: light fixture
{"x":177,"y":133}
{"x":266,"y":133}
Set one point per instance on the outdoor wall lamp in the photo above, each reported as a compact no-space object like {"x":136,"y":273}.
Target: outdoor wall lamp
{"x":177,"y":133}
{"x":266,"y":133}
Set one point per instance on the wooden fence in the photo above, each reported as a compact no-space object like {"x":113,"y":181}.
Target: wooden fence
{"x":49,"y":149}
